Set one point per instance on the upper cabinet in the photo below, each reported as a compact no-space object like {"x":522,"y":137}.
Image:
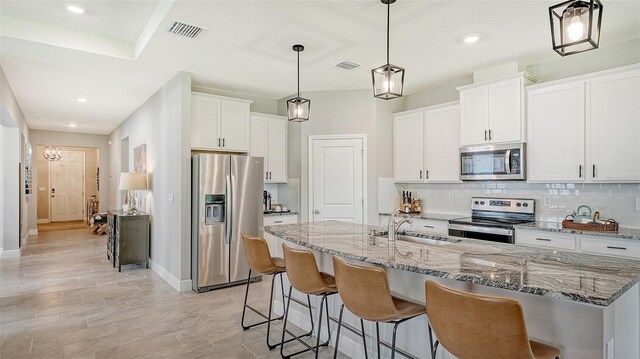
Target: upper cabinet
{"x":426,"y":145}
{"x":492,"y":111}
{"x":269,"y":140}
{"x":219,"y":123}
{"x":585,"y":129}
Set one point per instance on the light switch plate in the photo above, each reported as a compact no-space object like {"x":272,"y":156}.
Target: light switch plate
{"x":170,"y":198}
{"x":452,"y":197}
{"x":547,"y":201}
{"x":637,"y":204}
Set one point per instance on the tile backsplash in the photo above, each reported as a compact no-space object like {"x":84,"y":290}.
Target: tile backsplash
{"x":553,"y":201}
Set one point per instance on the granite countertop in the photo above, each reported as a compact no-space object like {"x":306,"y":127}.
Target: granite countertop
{"x":427,"y":215}
{"x":290,"y":213}
{"x":622,"y":233}
{"x":566,"y":275}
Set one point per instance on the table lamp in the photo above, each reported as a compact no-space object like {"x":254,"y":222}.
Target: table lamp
{"x":132,"y":182}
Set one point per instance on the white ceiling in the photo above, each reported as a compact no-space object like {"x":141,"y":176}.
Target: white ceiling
{"x":247,"y":48}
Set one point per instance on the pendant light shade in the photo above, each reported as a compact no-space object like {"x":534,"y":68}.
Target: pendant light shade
{"x":298,"y":107}
{"x":575,"y":26}
{"x":52,"y":153}
{"x":388,"y":79}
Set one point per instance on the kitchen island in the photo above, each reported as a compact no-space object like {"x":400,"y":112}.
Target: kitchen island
{"x":585,"y":305}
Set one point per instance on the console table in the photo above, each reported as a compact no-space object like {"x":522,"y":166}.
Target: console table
{"x":128,"y":241}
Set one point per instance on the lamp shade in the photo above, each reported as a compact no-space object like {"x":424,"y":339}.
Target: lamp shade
{"x":133,"y":181}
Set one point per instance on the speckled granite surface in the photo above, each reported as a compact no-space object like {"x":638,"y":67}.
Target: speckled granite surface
{"x":271,"y":214}
{"x":577,"y":277}
{"x":623,"y":233}
{"x":428,"y":215}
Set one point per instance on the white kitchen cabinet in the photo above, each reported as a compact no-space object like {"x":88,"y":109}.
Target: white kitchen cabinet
{"x":219,"y":123}
{"x":492,"y":111}
{"x":408,"y":147}
{"x":611,"y":247}
{"x":442,"y":145}
{"x":431,"y":226}
{"x":556,"y":128}
{"x":426,"y":145}
{"x":269,"y":140}
{"x":280,"y":219}
{"x":614,"y":127}
{"x":546,"y":239}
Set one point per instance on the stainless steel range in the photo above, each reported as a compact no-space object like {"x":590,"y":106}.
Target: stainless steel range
{"x":492,"y":219}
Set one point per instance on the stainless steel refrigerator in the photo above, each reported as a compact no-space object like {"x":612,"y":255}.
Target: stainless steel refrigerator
{"x":226,"y":201}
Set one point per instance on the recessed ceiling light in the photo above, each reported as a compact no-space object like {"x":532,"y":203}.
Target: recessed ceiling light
{"x":73,"y":125}
{"x":81,"y":99}
{"x":75,"y":9}
{"x":470,"y":39}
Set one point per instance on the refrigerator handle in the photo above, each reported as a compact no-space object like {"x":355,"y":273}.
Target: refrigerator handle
{"x":229,"y":214}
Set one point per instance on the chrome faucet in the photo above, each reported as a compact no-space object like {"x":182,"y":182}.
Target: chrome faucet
{"x":392,"y":227}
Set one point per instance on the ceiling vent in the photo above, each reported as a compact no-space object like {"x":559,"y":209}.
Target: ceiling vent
{"x":347,"y":65}
{"x":184,"y":29}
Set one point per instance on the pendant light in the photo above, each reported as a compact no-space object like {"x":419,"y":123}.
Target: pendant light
{"x":575,"y":26}
{"x":298,"y":107}
{"x":388,"y":79}
{"x":52,"y":153}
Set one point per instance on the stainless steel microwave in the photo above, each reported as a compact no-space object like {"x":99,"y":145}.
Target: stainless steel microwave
{"x":497,"y":162}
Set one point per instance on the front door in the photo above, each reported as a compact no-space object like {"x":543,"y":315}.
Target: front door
{"x":336,"y":179}
{"x":67,"y":187}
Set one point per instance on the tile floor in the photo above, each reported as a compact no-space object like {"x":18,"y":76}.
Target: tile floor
{"x":62,"y":299}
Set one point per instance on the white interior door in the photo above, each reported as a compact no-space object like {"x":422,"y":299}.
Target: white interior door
{"x":67,"y":187}
{"x":336,"y":179}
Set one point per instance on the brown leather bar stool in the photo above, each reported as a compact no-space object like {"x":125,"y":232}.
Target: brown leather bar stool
{"x":259,"y":258}
{"x":357,"y":286}
{"x":305,"y":277}
{"x":480,"y":327}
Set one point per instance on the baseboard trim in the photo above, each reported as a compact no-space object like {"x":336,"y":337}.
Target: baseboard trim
{"x":33,"y":232}
{"x":175,"y":283}
{"x":11,"y":253}
{"x":348,"y":346}
{"x":42,"y":221}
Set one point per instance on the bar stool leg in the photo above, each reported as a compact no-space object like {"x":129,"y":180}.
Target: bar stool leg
{"x":378,"y":338}
{"x":434,"y":348}
{"x":364,"y":339}
{"x":335,"y":352}
{"x":324,"y":297}
{"x":393,"y":340}
{"x":269,"y":345}
{"x":284,"y":324}
{"x":244,"y":307}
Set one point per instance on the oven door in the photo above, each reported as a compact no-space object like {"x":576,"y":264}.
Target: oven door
{"x":493,"y":234}
{"x":492,"y":162}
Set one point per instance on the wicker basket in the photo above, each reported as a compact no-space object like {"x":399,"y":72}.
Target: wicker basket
{"x":610,"y":226}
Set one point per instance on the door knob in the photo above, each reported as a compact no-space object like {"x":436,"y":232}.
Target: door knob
{"x":316,"y":212}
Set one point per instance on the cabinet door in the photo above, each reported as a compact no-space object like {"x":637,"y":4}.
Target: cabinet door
{"x":408,"y":147}
{"x":505,"y":111}
{"x":556,"y":125}
{"x":234,"y":126}
{"x":205,"y":121}
{"x":442,"y":129}
{"x":277,"y":143}
{"x":474,"y":115}
{"x":615,"y":127}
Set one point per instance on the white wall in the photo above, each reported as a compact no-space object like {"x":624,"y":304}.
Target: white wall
{"x":162,"y":123}
{"x":10,"y":188}
{"x":73,"y":139}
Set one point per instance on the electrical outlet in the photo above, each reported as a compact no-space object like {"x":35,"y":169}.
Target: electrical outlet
{"x":547,"y":201}
{"x":610,"y":351}
{"x":452,"y":197}
{"x":170,"y":198}
{"x":637,"y":204}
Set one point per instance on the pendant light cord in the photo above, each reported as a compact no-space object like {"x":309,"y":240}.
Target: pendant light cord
{"x":298,"y":74}
{"x":388,"y":16}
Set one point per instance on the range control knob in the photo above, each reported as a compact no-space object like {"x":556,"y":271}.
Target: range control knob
{"x":482,"y":203}
{"x":519,"y":204}
{"x":476,"y":202}
{"x":526,"y":204}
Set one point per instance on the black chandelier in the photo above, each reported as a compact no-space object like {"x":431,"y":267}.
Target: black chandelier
{"x":388,"y":79}
{"x":52,"y":153}
{"x":298,"y":107}
{"x":575,"y":26}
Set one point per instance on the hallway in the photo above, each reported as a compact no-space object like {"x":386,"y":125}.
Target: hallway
{"x":62,"y":299}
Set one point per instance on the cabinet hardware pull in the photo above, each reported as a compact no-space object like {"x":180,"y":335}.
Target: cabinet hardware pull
{"x":223,"y":142}
{"x":580,"y":171}
{"x":594,"y":171}
{"x":266,"y":175}
{"x":426,"y":226}
{"x":614,"y":247}
{"x":489,"y":135}
{"x":543,"y":239}
{"x":270,"y":175}
{"x":485,"y":135}
{"x":420,"y":174}
{"x":219,"y":142}
{"x":427,"y":174}
{"x":277,"y":222}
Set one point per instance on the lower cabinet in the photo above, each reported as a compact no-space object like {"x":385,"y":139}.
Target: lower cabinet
{"x":546,"y":239}
{"x":611,"y":247}
{"x":279,"y":220}
{"x":430,"y":226}
{"x":128,"y":240}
